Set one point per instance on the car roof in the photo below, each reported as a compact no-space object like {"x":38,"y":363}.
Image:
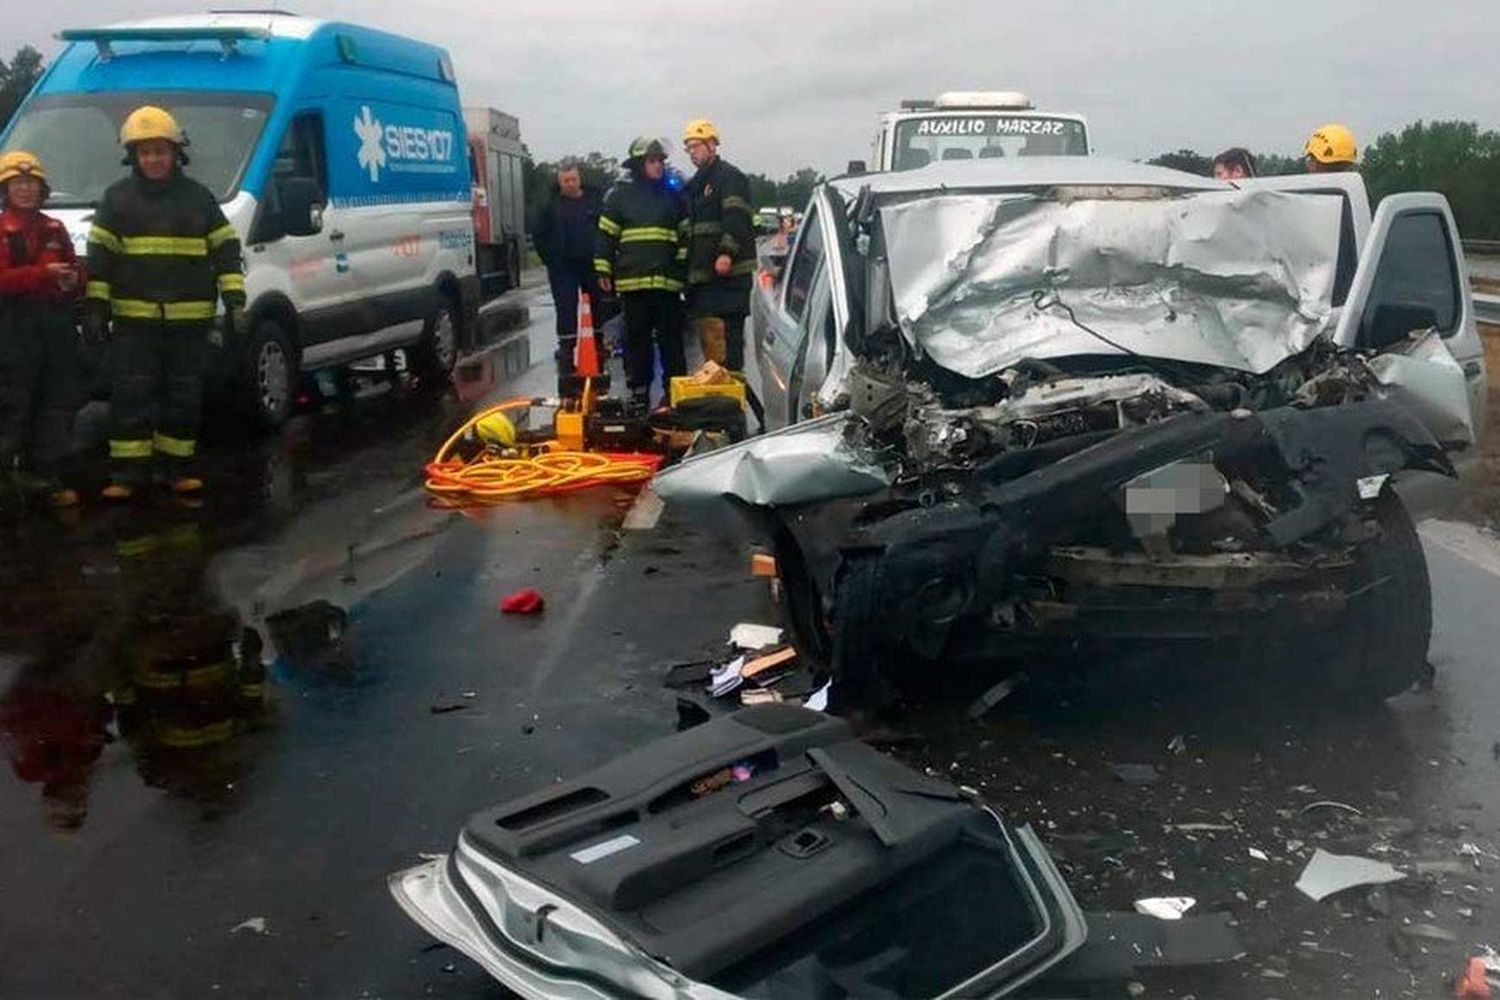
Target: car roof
{"x":1023,"y":172}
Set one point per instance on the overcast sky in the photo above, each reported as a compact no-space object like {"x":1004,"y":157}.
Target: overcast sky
{"x":794,"y":83}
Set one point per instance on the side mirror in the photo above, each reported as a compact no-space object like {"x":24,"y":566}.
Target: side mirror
{"x":1392,"y":322}
{"x":301,"y":206}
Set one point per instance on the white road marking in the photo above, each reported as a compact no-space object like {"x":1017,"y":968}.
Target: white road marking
{"x":1467,"y":542}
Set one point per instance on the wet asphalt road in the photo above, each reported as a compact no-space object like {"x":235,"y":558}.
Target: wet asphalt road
{"x":140,"y":827}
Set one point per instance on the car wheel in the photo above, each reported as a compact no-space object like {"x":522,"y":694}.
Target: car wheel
{"x":435,"y":355}
{"x":1380,"y":649}
{"x":862,"y":654}
{"x":270,"y":374}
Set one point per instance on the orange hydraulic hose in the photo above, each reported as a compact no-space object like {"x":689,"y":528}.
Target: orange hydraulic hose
{"x":491,"y":478}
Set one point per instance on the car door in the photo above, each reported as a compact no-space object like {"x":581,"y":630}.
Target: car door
{"x":1411,"y":277}
{"x":303,"y":265}
{"x":778,"y":330}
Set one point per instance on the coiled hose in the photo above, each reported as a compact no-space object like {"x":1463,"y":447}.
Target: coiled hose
{"x":491,"y":477}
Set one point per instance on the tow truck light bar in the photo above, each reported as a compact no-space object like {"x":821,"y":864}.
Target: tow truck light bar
{"x":104,"y":38}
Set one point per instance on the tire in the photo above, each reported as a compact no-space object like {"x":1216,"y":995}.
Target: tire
{"x":270,"y":375}
{"x":1380,"y":649}
{"x":863,"y":653}
{"x":436,"y":353}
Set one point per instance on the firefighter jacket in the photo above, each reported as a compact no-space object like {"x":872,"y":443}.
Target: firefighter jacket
{"x":162,"y":251}
{"x":638,"y":244}
{"x":29,"y":241}
{"x":719,"y":224}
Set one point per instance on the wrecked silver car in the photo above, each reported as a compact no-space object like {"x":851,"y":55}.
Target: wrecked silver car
{"x":1083,"y":398}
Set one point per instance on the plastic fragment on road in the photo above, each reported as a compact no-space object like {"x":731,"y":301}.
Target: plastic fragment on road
{"x":1473,"y":983}
{"x":1326,"y":874}
{"x":818,"y":700}
{"x":1136,"y":774}
{"x":1201,"y":827}
{"x":1165,"y":907}
{"x":751,"y":637}
{"x":523,"y":602}
{"x":1258,"y":854}
{"x":726,"y":677}
{"x":256,"y":925}
{"x":986,"y":702}
{"x":1330,"y":804}
{"x":1178,"y":744}
{"x":763,"y":668}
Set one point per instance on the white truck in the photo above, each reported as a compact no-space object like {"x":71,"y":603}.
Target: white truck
{"x":974,"y":124}
{"x":496,"y":159}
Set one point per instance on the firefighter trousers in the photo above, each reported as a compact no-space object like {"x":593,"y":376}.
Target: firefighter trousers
{"x":156,"y":395}
{"x":653,"y":322}
{"x":38,"y":385}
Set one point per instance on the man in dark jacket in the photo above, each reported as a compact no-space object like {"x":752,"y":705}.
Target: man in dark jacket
{"x":161,"y":255}
{"x":639,"y":254}
{"x":721,"y":248}
{"x":564,"y":239}
{"x":39,"y":283}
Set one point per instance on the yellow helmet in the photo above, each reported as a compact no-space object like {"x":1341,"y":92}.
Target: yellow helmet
{"x":149,"y":122}
{"x":18,"y":162}
{"x":1333,"y":143}
{"x":700,"y":128}
{"x":496,"y":430}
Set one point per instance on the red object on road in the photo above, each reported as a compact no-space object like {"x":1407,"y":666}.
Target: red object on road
{"x":523,"y":602}
{"x":1473,"y":985}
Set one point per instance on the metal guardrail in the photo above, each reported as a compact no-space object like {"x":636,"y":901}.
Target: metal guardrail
{"x":1487,"y":308}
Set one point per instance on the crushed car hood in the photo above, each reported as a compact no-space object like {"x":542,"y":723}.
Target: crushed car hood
{"x":1234,"y":279}
{"x":815,"y":460}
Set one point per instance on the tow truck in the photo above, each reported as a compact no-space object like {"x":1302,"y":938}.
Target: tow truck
{"x":973,"y":124}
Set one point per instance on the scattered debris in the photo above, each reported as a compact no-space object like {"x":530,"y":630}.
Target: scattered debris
{"x":1259,"y":855}
{"x":726,"y":677}
{"x":818,"y":700}
{"x":986,"y":702}
{"x":1427,"y":932}
{"x":763,"y":668}
{"x":256,"y":925}
{"x":1177,"y":745}
{"x":1201,"y":827}
{"x":523,"y":602}
{"x":456,"y":706}
{"x":752,"y":637}
{"x":762,"y":564}
{"x":759,"y":696}
{"x":1330,"y":804}
{"x":1441,"y":868}
{"x":1165,"y":907}
{"x":1472,"y":983}
{"x":1137,"y":774}
{"x":1378,"y":902}
{"x":1476,"y":852}
{"x":1328,"y":873}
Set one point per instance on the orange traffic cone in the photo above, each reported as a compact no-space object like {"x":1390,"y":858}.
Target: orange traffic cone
{"x":586,"y":360}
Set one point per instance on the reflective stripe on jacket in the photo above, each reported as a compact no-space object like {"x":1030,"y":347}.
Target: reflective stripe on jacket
{"x":163,"y":251}
{"x":639,"y":244}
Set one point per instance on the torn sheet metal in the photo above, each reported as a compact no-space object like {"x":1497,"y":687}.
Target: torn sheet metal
{"x":1327,"y":874}
{"x":1237,"y":279}
{"x":1423,"y":374}
{"x":815,"y":460}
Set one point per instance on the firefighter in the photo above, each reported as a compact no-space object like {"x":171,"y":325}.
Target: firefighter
{"x":39,"y":282}
{"x":1330,"y":150}
{"x":721,"y":248}
{"x":160,"y":255}
{"x":639,"y":255}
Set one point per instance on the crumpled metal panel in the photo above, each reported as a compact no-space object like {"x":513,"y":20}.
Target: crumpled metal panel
{"x":1237,"y":279}
{"x":1424,"y":375}
{"x":814,"y":460}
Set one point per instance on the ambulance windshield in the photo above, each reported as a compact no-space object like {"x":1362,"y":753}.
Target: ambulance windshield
{"x":77,"y":137}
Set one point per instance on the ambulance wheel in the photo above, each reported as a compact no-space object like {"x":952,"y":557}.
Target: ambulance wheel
{"x":436,"y":353}
{"x":270,"y":374}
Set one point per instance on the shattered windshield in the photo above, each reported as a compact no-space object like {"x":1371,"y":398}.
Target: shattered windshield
{"x":1234,"y":279}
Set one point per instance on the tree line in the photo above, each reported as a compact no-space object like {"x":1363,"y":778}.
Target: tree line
{"x":1456,"y":158}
